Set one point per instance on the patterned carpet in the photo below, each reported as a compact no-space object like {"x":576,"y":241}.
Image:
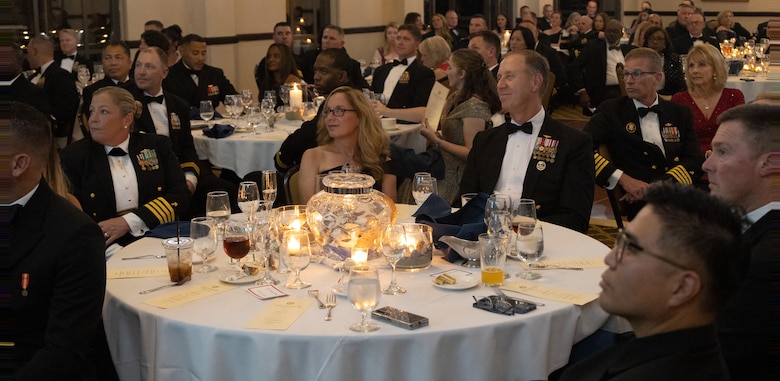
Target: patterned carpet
{"x":603,"y":230}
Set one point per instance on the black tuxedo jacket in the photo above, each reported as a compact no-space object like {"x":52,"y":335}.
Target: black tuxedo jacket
{"x":412,"y":89}
{"x":23,"y":91}
{"x":163,"y":194}
{"x":589,"y":70}
{"x":676,"y":30}
{"x":179,"y":129}
{"x":81,"y":59}
{"x":683,"y":43}
{"x":63,"y":97}
{"x":563,"y":190}
{"x":578,"y":42}
{"x":53,"y":326}
{"x":744,"y":323}
{"x":89,"y":91}
{"x":616,"y":124}
{"x":307,"y":69}
{"x":212,"y":84}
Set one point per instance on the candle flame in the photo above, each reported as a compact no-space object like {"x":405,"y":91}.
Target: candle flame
{"x":360,"y":255}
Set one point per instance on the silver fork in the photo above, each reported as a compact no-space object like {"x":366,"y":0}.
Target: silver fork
{"x":330,"y":302}
{"x":145,"y":256}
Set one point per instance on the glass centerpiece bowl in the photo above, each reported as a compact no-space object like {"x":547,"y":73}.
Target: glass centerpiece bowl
{"x":349,"y":213}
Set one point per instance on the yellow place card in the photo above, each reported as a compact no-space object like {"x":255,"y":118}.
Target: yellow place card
{"x":187,"y":295}
{"x":589,"y":263}
{"x":280,"y":314}
{"x":143,"y":272}
{"x":550,"y":293}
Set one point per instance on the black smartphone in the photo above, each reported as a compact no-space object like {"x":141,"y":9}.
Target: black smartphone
{"x":399,"y":318}
{"x":503,"y":305}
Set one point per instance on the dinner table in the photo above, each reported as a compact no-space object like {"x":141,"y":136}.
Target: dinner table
{"x":753,"y":86}
{"x":245,"y":151}
{"x":214,"y":337}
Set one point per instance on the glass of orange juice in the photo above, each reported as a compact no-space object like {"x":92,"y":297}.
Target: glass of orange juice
{"x":492,"y":255}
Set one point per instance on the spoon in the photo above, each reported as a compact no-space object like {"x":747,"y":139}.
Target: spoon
{"x":179,"y":283}
{"x":145,"y":256}
{"x":314,"y":293}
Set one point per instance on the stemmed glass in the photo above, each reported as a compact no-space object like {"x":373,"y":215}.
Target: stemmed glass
{"x":233,"y":106}
{"x":499,"y":222}
{"x":218,"y":208}
{"x":267,"y":106}
{"x":206,"y":111}
{"x":296,"y":253}
{"x":264,"y":238}
{"x":524,"y":216}
{"x":246,"y":98}
{"x":236,"y":241}
{"x":248,"y":197}
{"x":394,"y":246}
{"x":424,"y":185}
{"x":497,"y":202}
{"x":253,"y":118}
{"x":530,"y":247}
{"x":284,"y":93}
{"x":83,"y":76}
{"x":363,"y":292}
{"x":269,"y":185}
{"x":204,"y":235}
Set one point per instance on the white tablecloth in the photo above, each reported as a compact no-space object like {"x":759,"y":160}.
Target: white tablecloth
{"x":752,"y":89}
{"x":244,"y":152}
{"x":206,"y":339}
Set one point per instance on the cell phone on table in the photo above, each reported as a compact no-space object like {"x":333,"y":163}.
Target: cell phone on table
{"x":399,"y":318}
{"x":503,"y":305}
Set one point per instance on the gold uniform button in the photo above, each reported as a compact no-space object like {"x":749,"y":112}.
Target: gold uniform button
{"x":94,"y":214}
{"x":159,"y":189}
{"x":676,"y":159}
{"x":645,"y":153}
{"x":91,"y":195}
{"x":538,"y":206}
{"x":654,"y":167}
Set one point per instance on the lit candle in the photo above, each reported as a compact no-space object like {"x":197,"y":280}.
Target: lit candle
{"x":293,"y":246}
{"x":507,"y":35}
{"x":360,"y":255}
{"x":296,"y":225}
{"x":296,"y":97}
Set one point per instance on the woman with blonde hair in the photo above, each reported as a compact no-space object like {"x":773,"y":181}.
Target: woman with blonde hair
{"x":348,"y":133}
{"x":556,"y":29}
{"x":707,"y":96}
{"x":386,"y":53}
{"x":728,"y":29}
{"x":439,"y":28}
{"x":434,"y":53}
{"x":640,"y":33}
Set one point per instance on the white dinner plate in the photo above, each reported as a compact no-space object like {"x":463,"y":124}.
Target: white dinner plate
{"x":462,"y":282}
{"x":223,"y":276}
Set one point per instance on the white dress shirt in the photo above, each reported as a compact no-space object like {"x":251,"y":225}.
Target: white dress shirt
{"x":517,"y":156}
{"x":159,"y":114}
{"x":126,"y":188}
{"x":394,"y":76}
{"x":613,"y":58}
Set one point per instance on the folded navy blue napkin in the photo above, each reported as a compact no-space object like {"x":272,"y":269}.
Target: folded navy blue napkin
{"x":467,"y":223}
{"x":219,"y":131}
{"x":168,"y":230}
{"x":195,"y":114}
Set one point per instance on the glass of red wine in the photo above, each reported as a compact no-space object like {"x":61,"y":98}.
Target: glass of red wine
{"x":236,"y":242}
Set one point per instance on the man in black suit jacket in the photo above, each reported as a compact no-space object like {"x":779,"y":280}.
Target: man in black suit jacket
{"x":543,"y":23}
{"x":332,"y":38}
{"x":56,"y":83}
{"x":585,"y":35}
{"x":57,"y":265}
{"x":592,"y":74}
{"x":670,"y":272}
{"x":553,"y":58}
{"x":193,"y":80}
{"x":648,"y":138}
{"x":683,"y":43}
{"x":741,"y":173}
{"x":116,"y":66}
{"x":532,"y":155}
{"x":679,"y":26}
{"x":68,"y":56}
{"x":406,"y":83}
{"x":21,"y":90}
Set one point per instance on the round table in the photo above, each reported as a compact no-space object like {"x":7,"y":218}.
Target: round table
{"x":244,"y":152}
{"x":206,"y":339}
{"x":752,"y":89}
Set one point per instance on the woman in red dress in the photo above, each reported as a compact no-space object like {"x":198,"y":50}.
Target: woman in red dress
{"x":707,"y":96}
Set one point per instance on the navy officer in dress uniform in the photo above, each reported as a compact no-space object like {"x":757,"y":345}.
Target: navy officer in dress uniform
{"x":126,"y":181}
{"x":193,"y":80}
{"x":648,"y":138}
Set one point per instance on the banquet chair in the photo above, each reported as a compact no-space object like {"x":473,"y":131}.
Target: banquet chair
{"x":615,"y":193}
{"x":290,"y":185}
{"x":549,"y":92}
{"x":621,"y":81}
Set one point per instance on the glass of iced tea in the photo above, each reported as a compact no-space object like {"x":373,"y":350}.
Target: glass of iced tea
{"x":492,"y":255}
{"x":178,"y":253}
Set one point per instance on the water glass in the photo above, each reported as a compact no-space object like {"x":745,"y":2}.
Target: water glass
{"x":203,"y":232}
{"x":363,"y":292}
{"x":296,"y":253}
{"x":530,"y":248}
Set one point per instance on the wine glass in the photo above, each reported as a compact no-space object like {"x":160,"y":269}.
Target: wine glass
{"x":236,"y":241}
{"x":363,"y":292}
{"x":267,"y":106}
{"x":424,"y":185}
{"x":233,"y":106}
{"x":83,"y":76}
{"x":530,"y":248}
{"x":263,"y":238}
{"x":395,"y":245}
{"x":204,"y":235}
{"x":524,"y":216}
{"x":218,"y":208}
{"x":253,"y":116}
{"x":296,"y":253}
{"x":496,"y":202}
{"x":499,"y":222}
{"x":284,"y":94}
{"x":269,"y":185}
{"x":246,"y":98}
{"x":248,"y":197}
{"x":206,"y":111}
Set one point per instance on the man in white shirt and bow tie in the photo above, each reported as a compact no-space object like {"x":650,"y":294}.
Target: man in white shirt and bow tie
{"x":648,"y":138}
{"x":69,"y":57}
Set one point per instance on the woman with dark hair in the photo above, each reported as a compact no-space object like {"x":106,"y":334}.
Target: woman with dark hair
{"x":521,"y":38}
{"x":502,"y":25}
{"x":174,"y":35}
{"x":280,"y":68}
{"x":658,"y":39}
{"x":600,"y":22}
{"x":415,"y":19}
{"x":471,"y":102}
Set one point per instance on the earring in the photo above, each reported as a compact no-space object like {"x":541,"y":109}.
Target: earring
{"x":125,"y":127}
{"x":714,"y":76}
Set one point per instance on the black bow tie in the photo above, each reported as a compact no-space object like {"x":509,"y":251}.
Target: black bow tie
{"x":401,"y":62}
{"x":73,"y":57}
{"x":116,"y":151}
{"x":616,"y":47}
{"x":644,"y":110}
{"x":191,"y":72}
{"x":13,"y":211}
{"x":694,"y":39}
{"x":150,"y":99}
{"x":526,"y":127}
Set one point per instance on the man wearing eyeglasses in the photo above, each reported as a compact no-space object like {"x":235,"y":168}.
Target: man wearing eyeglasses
{"x":741,"y":172}
{"x":593,"y":72}
{"x":669,"y":274}
{"x":648,"y":138}
{"x":696,"y":32}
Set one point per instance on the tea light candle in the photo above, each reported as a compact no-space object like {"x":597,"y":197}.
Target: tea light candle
{"x":507,"y":36}
{"x":359,"y":255}
{"x":296,"y":96}
{"x":296,"y":225}
{"x":293,"y":245}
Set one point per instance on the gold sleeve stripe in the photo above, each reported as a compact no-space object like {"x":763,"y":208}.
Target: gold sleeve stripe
{"x":681,"y":175}
{"x":601,"y":163}
{"x":161,"y":209}
{"x":192,"y":166}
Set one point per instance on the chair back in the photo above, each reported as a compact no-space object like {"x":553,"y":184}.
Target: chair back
{"x":548,"y":93}
{"x":615,"y":193}
{"x":290,"y":185}
{"x":622,"y":81}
